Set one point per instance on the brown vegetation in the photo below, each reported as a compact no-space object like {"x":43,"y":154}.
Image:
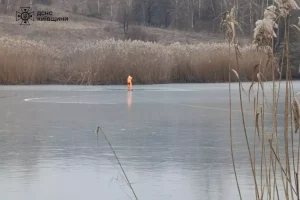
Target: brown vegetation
{"x":273,"y":152}
{"x":110,"y":61}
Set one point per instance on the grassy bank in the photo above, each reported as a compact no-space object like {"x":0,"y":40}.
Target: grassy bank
{"x":110,"y":61}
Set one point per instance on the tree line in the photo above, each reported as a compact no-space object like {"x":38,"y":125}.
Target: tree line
{"x":190,"y":15}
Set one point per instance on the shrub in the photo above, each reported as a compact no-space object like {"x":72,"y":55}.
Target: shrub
{"x":138,"y":33}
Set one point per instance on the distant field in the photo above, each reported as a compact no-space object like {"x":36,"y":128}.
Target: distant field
{"x":82,"y":51}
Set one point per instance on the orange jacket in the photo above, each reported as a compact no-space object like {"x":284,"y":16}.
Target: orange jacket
{"x":129,"y":80}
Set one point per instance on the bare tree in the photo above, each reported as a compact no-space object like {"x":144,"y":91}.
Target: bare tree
{"x":199,"y":8}
{"x":191,"y":9}
{"x":175,"y":11}
{"x":100,"y":4}
{"x":111,"y":7}
{"x":8,"y":5}
{"x":149,"y":9}
{"x":124,"y":14}
{"x":251,"y":15}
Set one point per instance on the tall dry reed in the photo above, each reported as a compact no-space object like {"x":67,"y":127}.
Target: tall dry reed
{"x":278,"y":165}
{"x":110,"y":61}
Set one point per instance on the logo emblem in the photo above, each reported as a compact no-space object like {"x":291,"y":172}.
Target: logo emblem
{"x":24,"y":15}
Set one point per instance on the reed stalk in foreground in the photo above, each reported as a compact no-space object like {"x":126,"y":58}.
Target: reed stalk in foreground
{"x":117,"y":158}
{"x":270,"y":143}
{"x":228,"y":22}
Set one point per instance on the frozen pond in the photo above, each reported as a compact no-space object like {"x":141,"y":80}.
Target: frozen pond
{"x":173,"y":142}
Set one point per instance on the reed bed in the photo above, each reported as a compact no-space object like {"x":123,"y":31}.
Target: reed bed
{"x":110,"y":61}
{"x":274,"y":154}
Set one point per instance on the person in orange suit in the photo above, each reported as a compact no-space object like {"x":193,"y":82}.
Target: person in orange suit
{"x":129,"y":83}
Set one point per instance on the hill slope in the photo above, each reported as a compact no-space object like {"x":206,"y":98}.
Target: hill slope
{"x":80,"y":28}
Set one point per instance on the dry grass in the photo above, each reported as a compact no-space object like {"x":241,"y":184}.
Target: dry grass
{"x":274,"y":156}
{"x":80,"y":51}
{"x":110,"y":61}
{"x":296,"y":114}
{"x":80,"y":27}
